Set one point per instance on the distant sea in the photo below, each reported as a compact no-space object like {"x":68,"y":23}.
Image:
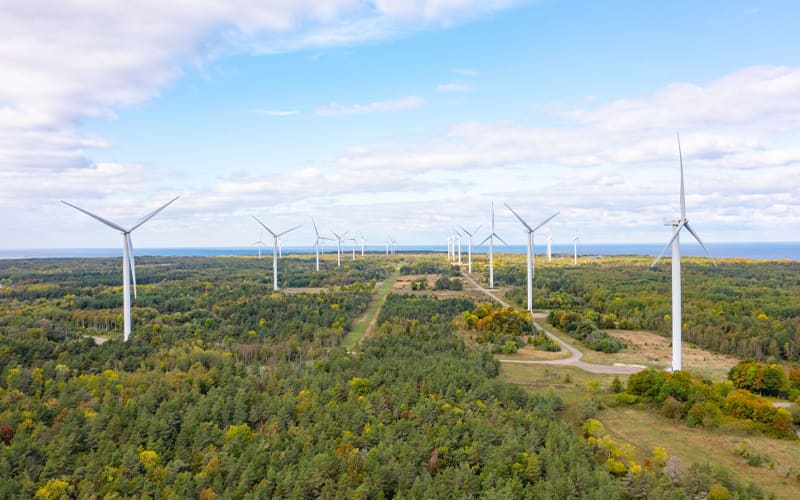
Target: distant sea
{"x":756,"y":251}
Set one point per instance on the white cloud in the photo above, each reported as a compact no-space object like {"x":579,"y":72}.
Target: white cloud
{"x":453,"y":87}
{"x":399,"y":104}
{"x":766,"y":95}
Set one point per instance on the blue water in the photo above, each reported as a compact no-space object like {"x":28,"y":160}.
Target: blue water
{"x":757,"y":251}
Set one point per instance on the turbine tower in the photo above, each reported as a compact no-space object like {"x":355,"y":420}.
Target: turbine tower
{"x":275,"y":238}
{"x":531,"y":255}
{"x":575,"y":242}
{"x":128,"y":263}
{"x":675,"y":241}
{"x":458,"y":238}
{"x":469,"y":245}
{"x":339,"y":248}
{"x":490,"y":239}
{"x":354,"y":247}
{"x":316,"y":242}
{"x":260,"y":243}
{"x":362,"y":243}
{"x":549,"y":238}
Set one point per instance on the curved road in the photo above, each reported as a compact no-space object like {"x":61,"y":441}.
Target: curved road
{"x":575,"y":355}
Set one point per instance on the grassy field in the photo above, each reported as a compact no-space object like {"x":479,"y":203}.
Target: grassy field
{"x":779,"y":474}
{"x":644,"y":429}
{"x":361,"y":325}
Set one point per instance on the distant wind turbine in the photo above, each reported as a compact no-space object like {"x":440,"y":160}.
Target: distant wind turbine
{"x":575,"y":242}
{"x":458,"y":238}
{"x":469,"y":245}
{"x":260,"y":243}
{"x":354,"y":247}
{"x":275,"y":237}
{"x":549,"y":238}
{"x":316,"y":242}
{"x":362,"y":243}
{"x":490,"y":239}
{"x":392,"y":241}
{"x":339,"y":247}
{"x":675,"y":241}
{"x":128,"y":263}
{"x":531,"y":255}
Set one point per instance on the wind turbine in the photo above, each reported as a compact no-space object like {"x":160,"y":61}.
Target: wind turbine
{"x":354,"y":247}
{"x":128,"y":263}
{"x":450,"y":248}
{"x":675,"y":241}
{"x":469,"y":245}
{"x":458,"y":237}
{"x":387,"y":247}
{"x":316,"y":242}
{"x":362,"y":243}
{"x":549,"y":238}
{"x":260,"y":243}
{"x":531,"y":256}
{"x":490,"y":238}
{"x":339,"y":248}
{"x":575,"y":242}
{"x":275,"y":244}
{"x":392,"y":241}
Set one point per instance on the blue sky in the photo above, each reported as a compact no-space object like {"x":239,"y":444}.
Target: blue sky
{"x":403,"y":117}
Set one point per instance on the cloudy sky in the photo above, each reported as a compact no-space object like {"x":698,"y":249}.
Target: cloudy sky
{"x":397,"y":116}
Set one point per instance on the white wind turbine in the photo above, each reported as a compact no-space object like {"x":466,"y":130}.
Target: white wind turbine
{"x":549,"y":238}
{"x":490,"y":239}
{"x":354,"y":247}
{"x":675,"y":241}
{"x":386,"y":242}
{"x":531,"y":255}
{"x":575,"y":242}
{"x":339,"y":248}
{"x":128,"y":263}
{"x":260,"y":243}
{"x":458,"y":238}
{"x":469,"y":245}
{"x":316,"y":242}
{"x":275,"y":244}
{"x":362,"y":243}
{"x":392,"y":241}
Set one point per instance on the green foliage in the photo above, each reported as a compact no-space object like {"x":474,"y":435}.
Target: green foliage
{"x":190,"y":408}
{"x":682,"y":396}
{"x":584,"y":328}
{"x":771,"y":380}
{"x":445,"y":283}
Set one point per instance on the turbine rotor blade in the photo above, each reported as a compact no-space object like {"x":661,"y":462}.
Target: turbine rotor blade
{"x":518,"y":217}
{"x":683,"y":194}
{"x":131,"y":261}
{"x":701,"y":244}
{"x":546,"y":221}
{"x":153,"y":213}
{"x":97,"y":217}
{"x":265,"y":227}
{"x":501,"y":239}
{"x":315,"y":227}
{"x":289,"y":230}
{"x":464,"y":229}
{"x":669,"y":243}
{"x":485,"y":240}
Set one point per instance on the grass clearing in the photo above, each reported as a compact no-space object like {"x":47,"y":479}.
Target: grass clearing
{"x":780,"y":474}
{"x":362,"y":324}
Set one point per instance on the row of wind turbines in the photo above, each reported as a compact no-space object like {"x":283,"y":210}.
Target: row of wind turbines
{"x":129,"y":266}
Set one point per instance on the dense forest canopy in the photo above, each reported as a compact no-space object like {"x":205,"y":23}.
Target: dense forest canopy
{"x":228,"y":388}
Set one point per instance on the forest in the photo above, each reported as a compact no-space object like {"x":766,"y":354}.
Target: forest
{"x":230,"y":389}
{"x":748,"y":309}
